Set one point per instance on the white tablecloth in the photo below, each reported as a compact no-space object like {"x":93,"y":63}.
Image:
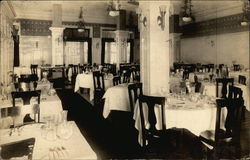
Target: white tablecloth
{"x":210,"y":90}
{"x":86,"y":81}
{"x":116,"y":98}
{"x":26,"y":70}
{"x":235,"y":75}
{"x":196,"y":117}
{"x":76,"y":146}
{"x":48,"y":104}
{"x":200,"y":76}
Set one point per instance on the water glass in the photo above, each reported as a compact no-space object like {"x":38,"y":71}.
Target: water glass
{"x":64,"y":115}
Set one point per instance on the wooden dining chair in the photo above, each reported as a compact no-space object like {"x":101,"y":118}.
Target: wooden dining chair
{"x":99,"y":86}
{"x":224,"y":82}
{"x":17,"y":111}
{"x":126,"y":76}
{"x":242,"y":79}
{"x":151,"y":134}
{"x":26,"y":96}
{"x":185,"y":74}
{"x":34,"y":75}
{"x":219,"y":138}
{"x":116,"y":80}
{"x":133,"y":90}
{"x":236,"y":67}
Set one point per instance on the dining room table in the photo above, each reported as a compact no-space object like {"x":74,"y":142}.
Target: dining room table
{"x":209,"y":89}
{"x":116,"y":98}
{"x":235,"y":75}
{"x":23,"y":70}
{"x":85,"y":80}
{"x":49,"y":102}
{"x":36,"y":143}
{"x":195,"y":112}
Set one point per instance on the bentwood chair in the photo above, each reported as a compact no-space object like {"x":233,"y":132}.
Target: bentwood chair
{"x":151,"y":134}
{"x":224,"y":82}
{"x":26,"y":96}
{"x":133,"y":90}
{"x":116,"y":80}
{"x":242,"y":79}
{"x":219,"y":139}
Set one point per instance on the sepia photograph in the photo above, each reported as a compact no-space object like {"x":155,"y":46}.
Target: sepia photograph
{"x":124,"y":79}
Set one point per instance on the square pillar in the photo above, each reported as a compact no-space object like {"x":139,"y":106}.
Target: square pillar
{"x":154,"y":44}
{"x":57,"y":45}
{"x":121,"y":38}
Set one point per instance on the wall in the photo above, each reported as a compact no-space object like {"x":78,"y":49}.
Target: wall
{"x":222,"y":48}
{"x":96,"y":50}
{"x":6,"y":42}
{"x":35,"y":49}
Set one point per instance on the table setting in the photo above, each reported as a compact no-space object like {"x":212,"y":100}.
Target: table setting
{"x":55,"y":138}
{"x":193,"y":111}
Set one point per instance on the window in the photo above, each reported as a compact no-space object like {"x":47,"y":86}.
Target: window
{"x":76,"y":53}
{"x":110,"y":52}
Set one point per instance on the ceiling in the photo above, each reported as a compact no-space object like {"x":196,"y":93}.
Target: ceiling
{"x":92,"y":10}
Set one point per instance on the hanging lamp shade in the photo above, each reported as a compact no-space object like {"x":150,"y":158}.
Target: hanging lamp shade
{"x":187,"y":11}
{"x":81,"y":25}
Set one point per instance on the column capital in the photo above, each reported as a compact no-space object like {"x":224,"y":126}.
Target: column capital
{"x":56,"y":30}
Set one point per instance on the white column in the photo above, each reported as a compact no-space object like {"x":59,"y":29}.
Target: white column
{"x":154,"y":53}
{"x":57,"y":45}
{"x":121,"y":38}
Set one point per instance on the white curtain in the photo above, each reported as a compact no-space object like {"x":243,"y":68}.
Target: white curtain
{"x":76,"y":53}
{"x":111,"y":52}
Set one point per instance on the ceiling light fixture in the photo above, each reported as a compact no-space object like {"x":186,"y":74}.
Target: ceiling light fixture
{"x":81,"y":26}
{"x":187,"y":11}
{"x":114,"y":8}
{"x":246,"y":11}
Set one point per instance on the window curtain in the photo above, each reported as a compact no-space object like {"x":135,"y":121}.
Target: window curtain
{"x":109,"y":51}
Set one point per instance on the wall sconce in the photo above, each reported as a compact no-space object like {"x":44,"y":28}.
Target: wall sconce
{"x":161,"y":18}
{"x":140,"y":19}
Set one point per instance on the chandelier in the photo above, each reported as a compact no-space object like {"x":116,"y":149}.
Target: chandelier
{"x":80,"y":23}
{"x":246,"y":11}
{"x":113,"y":8}
{"x":187,"y":11}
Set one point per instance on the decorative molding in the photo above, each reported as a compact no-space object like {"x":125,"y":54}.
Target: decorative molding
{"x":68,"y":23}
{"x":35,"y":27}
{"x":32,"y":27}
{"x":228,"y":24}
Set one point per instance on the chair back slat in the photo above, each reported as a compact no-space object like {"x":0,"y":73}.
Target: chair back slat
{"x":151,"y":103}
{"x":133,"y":89}
{"x":126,"y":76}
{"x":116,"y":80}
{"x":225,"y":82}
{"x":98,"y":79}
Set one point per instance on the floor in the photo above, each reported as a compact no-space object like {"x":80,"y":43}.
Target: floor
{"x":116,"y":137}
